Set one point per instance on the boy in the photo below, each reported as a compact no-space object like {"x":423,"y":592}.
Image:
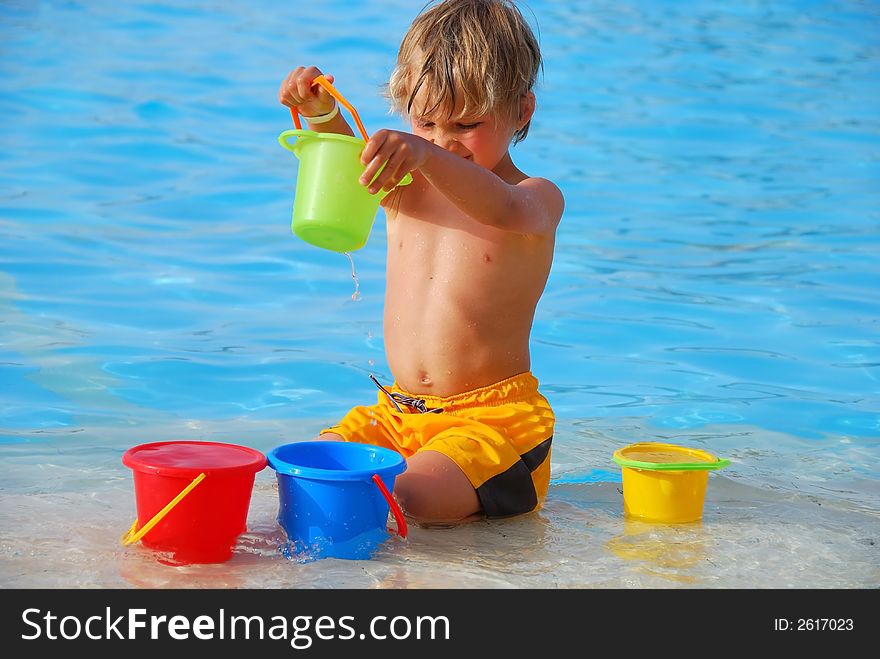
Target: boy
{"x":470,"y":245}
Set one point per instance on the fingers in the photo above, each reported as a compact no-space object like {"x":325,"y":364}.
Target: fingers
{"x":287,"y":94}
{"x":395,"y":178}
{"x":299,"y":91}
{"x":376,"y":142}
{"x":388,"y":157}
{"x":387,"y":179}
{"x":382,"y":160}
{"x":302,"y":85}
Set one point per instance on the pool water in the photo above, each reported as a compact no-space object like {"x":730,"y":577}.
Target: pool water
{"x":715,"y":285}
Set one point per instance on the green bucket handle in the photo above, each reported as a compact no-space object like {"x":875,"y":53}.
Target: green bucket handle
{"x":299,"y":132}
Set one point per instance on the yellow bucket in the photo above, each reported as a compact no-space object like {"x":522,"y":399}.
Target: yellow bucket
{"x":665,"y":482}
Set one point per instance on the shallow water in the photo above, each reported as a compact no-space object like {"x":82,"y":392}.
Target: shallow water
{"x":715,"y":285}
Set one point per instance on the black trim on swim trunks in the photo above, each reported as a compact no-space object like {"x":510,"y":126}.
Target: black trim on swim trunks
{"x":512,"y":492}
{"x":535,"y":457}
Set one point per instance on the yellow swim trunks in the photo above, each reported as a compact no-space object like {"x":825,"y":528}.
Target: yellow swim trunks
{"x":499,"y":436}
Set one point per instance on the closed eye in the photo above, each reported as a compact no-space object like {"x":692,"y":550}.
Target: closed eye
{"x":468,"y":126}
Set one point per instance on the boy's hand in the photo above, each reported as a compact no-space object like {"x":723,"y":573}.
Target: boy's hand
{"x":297,"y":92}
{"x":400,"y":152}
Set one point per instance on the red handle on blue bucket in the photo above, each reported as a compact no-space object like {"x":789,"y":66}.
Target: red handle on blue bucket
{"x":395,"y":509}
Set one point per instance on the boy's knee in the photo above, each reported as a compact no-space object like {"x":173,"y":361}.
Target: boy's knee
{"x":427,"y":501}
{"x":424,"y":511}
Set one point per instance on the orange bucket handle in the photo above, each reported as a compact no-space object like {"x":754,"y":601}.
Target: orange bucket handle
{"x":133,"y":534}
{"x":321,"y":80}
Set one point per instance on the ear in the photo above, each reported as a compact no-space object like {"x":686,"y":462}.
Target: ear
{"x":526,"y":109}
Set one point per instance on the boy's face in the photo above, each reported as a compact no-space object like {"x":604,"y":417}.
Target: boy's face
{"x":482,"y":139}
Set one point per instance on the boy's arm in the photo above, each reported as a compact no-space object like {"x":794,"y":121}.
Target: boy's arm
{"x":533,"y":206}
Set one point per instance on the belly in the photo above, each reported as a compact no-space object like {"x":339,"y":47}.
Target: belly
{"x":459,"y":303}
{"x":438,"y":343}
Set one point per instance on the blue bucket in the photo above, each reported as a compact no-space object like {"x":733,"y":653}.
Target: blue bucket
{"x":335,"y":496}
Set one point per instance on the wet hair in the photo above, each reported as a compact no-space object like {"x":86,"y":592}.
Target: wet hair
{"x":477,"y":55}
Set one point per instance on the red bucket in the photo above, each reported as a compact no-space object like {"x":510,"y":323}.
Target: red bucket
{"x":199,"y":516}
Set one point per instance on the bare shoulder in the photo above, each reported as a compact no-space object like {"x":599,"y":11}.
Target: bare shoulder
{"x":545,"y":188}
{"x":544,"y":201}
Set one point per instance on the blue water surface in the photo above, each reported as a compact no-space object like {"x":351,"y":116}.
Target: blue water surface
{"x":715,"y":282}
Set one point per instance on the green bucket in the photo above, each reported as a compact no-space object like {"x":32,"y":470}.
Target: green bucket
{"x":331,"y":209}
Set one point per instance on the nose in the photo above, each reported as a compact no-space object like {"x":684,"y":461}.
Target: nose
{"x":443,"y":140}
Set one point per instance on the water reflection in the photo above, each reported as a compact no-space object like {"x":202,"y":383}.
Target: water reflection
{"x":676,"y":552}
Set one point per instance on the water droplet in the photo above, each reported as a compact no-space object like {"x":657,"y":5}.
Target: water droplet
{"x":357,"y":286}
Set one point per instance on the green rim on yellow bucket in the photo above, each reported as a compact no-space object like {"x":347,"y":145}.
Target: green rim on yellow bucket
{"x":657,"y":456}
{"x":665,"y":482}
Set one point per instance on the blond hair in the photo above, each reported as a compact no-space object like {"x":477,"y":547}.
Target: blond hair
{"x":479,"y":55}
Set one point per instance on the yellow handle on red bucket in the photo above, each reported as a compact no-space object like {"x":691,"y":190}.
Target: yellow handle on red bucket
{"x":321,"y":80}
{"x":133,"y":534}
